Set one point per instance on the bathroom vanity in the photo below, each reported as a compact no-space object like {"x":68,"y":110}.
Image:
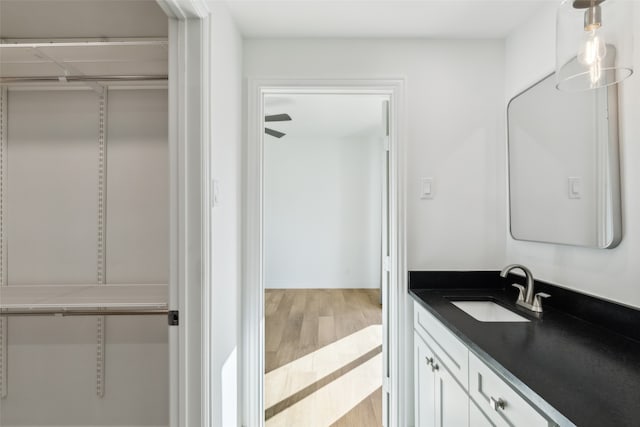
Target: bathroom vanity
{"x":577,"y":363}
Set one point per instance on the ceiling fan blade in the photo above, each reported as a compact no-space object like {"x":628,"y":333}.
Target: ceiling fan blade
{"x":277,"y":118}
{"x":274,"y":133}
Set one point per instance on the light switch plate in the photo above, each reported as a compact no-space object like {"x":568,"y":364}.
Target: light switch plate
{"x":426,"y":188}
{"x":575,"y":187}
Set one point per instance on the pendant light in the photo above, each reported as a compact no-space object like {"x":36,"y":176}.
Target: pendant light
{"x":594,"y":43}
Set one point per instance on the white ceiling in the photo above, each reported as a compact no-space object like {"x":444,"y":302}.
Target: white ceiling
{"x":50,"y":19}
{"x":382,"y":18}
{"x":27,"y":20}
{"x":325,"y":116}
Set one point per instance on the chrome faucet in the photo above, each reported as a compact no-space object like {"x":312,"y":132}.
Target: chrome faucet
{"x":526,"y":297}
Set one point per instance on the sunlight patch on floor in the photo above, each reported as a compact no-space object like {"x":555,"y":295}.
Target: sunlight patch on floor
{"x":331,"y":402}
{"x":289,"y":379}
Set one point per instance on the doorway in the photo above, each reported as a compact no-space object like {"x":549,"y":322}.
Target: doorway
{"x":269,"y":98}
{"x":325,"y":184}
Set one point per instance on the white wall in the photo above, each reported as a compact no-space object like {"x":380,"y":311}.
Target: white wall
{"x":322,"y":211}
{"x":52,"y":238}
{"x":226,"y":91}
{"x":607,"y":273}
{"x":138,"y":200}
{"x":455,"y":93}
{"x":52,"y":186}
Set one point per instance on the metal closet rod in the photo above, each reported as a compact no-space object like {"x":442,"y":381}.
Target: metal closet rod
{"x":74,"y":79}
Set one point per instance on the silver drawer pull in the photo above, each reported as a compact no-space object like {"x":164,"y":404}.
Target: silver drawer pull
{"x":497,"y":404}
{"x":435,"y":367}
{"x":429,"y":361}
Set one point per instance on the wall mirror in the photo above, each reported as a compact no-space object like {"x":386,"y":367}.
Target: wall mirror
{"x":564,"y":180}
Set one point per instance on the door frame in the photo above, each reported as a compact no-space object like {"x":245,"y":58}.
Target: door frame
{"x":396,"y":299}
{"x":189,"y":218}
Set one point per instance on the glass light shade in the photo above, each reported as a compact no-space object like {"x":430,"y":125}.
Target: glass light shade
{"x":594,"y":46}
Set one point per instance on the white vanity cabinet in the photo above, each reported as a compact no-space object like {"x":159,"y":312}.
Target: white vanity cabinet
{"x":454,"y":388}
{"x":477,"y":418}
{"x":440,"y":399}
{"x":441,"y":366}
{"x":504,"y":406}
{"x":425,"y":384}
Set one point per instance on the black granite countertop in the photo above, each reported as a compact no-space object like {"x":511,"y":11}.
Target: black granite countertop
{"x":575,"y":370}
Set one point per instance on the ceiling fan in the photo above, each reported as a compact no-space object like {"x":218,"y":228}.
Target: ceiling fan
{"x":276,"y":118}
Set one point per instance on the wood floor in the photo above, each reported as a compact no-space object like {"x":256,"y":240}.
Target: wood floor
{"x":302,"y":322}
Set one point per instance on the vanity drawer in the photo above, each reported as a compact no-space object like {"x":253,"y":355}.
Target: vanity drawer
{"x":449,"y":349}
{"x":502,"y":404}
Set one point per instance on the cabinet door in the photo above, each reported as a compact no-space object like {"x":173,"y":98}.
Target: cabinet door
{"x":425,"y":384}
{"x":507,"y":408}
{"x":452,"y":401}
{"x":477,"y":418}
{"x":450,"y":350}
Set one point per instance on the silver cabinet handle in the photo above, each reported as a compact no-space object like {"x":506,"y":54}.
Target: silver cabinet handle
{"x":432,"y":363}
{"x":497,"y":404}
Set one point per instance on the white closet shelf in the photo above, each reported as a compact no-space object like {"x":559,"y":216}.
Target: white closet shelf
{"x":117,"y":299}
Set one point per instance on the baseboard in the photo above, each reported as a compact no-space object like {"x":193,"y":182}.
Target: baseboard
{"x":285,"y":284}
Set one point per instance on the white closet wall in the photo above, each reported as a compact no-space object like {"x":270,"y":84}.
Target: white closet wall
{"x":137,"y":187}
{"x":51,"y":223}
{"x":52,"y":186}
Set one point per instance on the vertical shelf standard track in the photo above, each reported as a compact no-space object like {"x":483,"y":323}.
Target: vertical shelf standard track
{"x":102,"y":237}
{"x":4,"y":328}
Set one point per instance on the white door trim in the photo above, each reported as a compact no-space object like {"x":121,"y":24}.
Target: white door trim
{"x":190,"y":222}
{"x":253,"y":295}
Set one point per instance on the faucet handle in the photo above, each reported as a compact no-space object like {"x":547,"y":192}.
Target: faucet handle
{"x":521,"y":291}
{"x":537,"y":300}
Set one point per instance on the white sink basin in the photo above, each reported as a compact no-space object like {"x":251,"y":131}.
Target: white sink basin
{"x":488,"y":311}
